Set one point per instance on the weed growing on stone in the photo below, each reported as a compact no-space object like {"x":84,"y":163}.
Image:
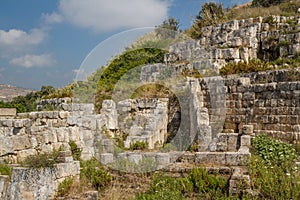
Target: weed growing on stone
{"x":41,"y":160}
{"x":139,"y":146}
{"x":76,"y":151}
{"x":65,"y":186}
{"x":93,"y":173}
{"x":5,"y":169}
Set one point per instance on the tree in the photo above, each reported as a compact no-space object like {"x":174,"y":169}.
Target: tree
{"x":210,"y":14}
{"x":168,"y":28}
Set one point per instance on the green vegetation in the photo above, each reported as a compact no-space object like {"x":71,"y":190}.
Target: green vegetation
{"x":287,"y":8}
{"x":168,"y":29}
{"x":210,"y":14}
{"x":41,"y":160}
{"x":76,"y":151}
{"x":139,"y":146}
{"x":66,"y":91}
{"x":5,"y":169}
{"x":65,"y":186}
{"x":256,"y":65}
{"x":85,"y":90}
{"x":93,"y":173}
{"x":29,"y":102}
{"x":274,"y":152}
{"x":273,"y":172}
{"x":198,"y":184}
{"x":120,"y":66}
{"x":266,"y":3}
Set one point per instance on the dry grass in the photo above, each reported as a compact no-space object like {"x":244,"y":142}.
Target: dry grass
{"x":123,"y":187}
{"x":246,"y":11}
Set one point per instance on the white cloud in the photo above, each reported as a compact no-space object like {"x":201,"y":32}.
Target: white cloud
{"x":29,"y":61}
{"x":17,"y":38}
{"x":52,"y":18}
{"x":104,"y":15}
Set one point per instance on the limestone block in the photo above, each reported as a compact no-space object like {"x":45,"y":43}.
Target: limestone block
{"x":21,"y":142}
{"x":231,"y":53}
{"x":247,"y":129}
{"x":106,"y":158}
{"x":67,"y":169}
{"x":46,"y":148}
{"x":63,"y":114}
{"x":232,"y":142}
{"x":215,"y":158}
{"x":163,"y":158}
{"x":245,"y":140}
{"x":6,"y":145}
{"x":8,"y":112}
{"x":4,"y":181}
{"x":25,"y":153}
{"x":134,"y":157}
{"x":31,"y":183}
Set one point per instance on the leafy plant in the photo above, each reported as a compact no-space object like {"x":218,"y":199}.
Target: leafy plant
{"x":273,"y":181}
{"x":93,"y":172}
{"x":274,"y":152}
{"x":272,"y":169}
{"x":208,"y":185}
{"x":76,"y":151}
{"x":199,"y":183}
{"x":41,"y":160}
{"x":165,"y":188}
{"x":65,"y":186}
{"x":5,"y":169}
{"x":139,"y":146}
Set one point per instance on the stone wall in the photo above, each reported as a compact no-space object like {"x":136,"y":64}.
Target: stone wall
{"x":8,"y":112}
{"x":266,"y":38}
{"x":270,"y":101}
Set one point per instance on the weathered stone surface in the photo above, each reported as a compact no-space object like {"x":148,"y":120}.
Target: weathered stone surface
{"x":106,"y":158}
{"x":8,"y":112}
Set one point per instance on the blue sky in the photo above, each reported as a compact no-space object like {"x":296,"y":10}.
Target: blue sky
{"x":45,"y":42}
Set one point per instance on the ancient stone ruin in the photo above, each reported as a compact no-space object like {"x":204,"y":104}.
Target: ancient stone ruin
{"x":218,"y":115}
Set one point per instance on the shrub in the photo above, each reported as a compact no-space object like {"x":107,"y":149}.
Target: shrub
{"x":199,"y":183}
{"x":266,"y":3}
{"x":208,"y":185}
{"x":93,"y":172}
{"x":76,"y":152}
{"x":65,"y":186}
{"x":253,"y":65}
{"x":166,"y":188}
{"x":42,"y":160}
{"x":210,"y":14}
{"x":139,"y":145}
{"x":273,"y":181}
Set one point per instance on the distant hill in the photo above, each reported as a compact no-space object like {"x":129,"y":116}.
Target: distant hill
{"x":7,"y":92}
